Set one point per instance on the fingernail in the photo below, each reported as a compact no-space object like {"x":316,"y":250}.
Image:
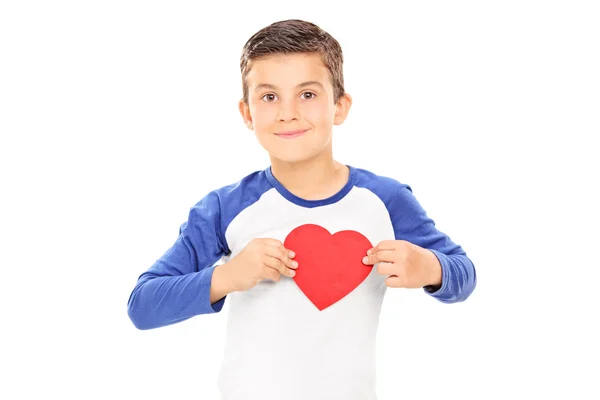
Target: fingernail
{"x":295,"y":263}
{"x":369,"y":252}
{"x":292,"y":254}
{"x":292,"y":272}
{"x":365,"y":260}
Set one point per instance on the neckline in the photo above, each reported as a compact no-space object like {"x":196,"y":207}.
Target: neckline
{"x":311,"y":203}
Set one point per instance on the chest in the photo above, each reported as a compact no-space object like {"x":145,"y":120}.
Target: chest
{"x":274,"y":217}
{"x":360,"y":219}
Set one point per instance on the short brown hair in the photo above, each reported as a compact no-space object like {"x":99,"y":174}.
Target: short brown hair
{"x":295,"y":36}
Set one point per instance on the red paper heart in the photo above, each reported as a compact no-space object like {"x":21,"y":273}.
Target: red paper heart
{"x":329,"y":266}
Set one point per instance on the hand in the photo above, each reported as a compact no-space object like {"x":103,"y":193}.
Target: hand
{"x":261,"y":259}
{"x":408,"y":265}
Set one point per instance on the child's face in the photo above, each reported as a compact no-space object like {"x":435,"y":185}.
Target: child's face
{"x":290,"y":93}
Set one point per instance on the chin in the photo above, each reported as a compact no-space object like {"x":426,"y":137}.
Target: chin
{"x":290,"y":159}
{"x":293,"y":157}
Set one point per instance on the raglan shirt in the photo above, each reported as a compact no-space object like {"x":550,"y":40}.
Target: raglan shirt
{"x":278,"y":344}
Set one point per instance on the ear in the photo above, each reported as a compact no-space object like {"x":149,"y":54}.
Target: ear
{"x":342,"y":108}
{"x":245,"y":111}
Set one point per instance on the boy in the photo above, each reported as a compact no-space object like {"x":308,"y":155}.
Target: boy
{"x":309,"y":245}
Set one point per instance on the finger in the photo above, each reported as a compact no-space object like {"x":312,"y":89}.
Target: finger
{"x":379,"y":256}
{"x":370,"y":260}
{"x":272,"y":274}
{"x":272,"y":242}
{"x":385,"y":245}
{"x":279,"y":266}
{"x":385,"y":268}
{"x":282,"y":254}
{"x":394,"y":282}
{"x":275,"y":263}
{"x":277,"y":244}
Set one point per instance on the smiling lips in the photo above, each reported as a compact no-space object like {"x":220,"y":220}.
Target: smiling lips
{"x":291,"y":134}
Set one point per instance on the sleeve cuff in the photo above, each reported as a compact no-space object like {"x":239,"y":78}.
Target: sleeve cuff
{"x":442,"y":292}
{"x":205,"y":298}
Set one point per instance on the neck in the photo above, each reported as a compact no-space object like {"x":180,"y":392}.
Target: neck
{"x":316,"y":178}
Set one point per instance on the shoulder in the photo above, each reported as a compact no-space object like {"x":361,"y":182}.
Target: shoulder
{"x":220,"y":206}
{"x":381,"y":185}
{"x":405,"y":211}
{"x":229,"y":200}
{"x":397,"y":196}
{"x":251,"y":186}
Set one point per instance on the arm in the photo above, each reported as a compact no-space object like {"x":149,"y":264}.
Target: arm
{"x":411,"y":223}
{"x":180,"y":283}
{"x":220,"y":285}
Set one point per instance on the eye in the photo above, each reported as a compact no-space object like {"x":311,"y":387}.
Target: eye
{"x":269,"y":97}
{"x":309,"y":93}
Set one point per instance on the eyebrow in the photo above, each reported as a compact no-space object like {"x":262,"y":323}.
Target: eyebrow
{"x":273,"y":87}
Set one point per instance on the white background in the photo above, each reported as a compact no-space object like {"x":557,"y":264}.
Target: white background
{"x":117,"y":116}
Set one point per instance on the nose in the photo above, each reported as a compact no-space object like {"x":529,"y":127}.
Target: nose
{"x":287,"y":111}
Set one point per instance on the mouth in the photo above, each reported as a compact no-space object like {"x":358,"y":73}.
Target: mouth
{"x":291,"y":134}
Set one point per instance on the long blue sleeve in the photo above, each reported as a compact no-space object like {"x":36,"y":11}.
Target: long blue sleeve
{"x":412,"y":224}
{"x":177,"y":286}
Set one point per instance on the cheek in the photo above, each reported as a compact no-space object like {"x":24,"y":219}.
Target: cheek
{"x":318,"y":115}
{"x":263,"y":115}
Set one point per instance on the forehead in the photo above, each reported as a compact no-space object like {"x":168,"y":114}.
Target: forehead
{"x":287,"y":69}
